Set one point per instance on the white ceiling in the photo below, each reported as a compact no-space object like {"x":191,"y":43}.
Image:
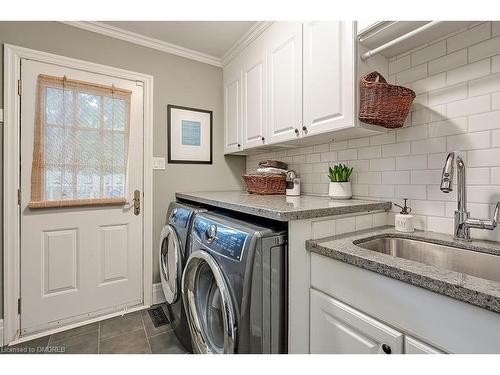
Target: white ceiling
{"x":213,"y":38}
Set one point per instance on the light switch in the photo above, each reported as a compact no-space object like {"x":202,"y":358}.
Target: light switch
{"x":158,"y":163}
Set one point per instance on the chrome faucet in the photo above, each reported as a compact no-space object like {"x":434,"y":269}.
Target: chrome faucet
{"x":463,"y":221}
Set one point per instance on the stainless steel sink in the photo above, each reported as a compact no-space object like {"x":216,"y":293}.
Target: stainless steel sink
{"x":473,"y":263}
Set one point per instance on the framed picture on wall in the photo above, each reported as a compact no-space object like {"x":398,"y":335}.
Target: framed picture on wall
{"x":190,"y":135}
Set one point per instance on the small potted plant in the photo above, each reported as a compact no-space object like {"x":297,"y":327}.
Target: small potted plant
{"x":340,"y":186}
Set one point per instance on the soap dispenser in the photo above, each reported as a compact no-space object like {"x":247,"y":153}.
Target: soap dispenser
{"x":403,"y":222}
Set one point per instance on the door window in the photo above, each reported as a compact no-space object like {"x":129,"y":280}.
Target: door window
{"x":80,"y":152}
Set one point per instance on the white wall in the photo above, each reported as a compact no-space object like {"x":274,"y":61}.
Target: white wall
{"x":457,"y":81}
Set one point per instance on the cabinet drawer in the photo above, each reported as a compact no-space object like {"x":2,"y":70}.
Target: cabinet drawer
{"x":337,"y":328}
{"x":414,"y":346}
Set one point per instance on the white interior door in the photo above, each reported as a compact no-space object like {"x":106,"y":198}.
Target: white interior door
{"x":79,"y":262}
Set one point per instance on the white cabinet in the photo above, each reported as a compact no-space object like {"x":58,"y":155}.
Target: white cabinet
{"x":414,"y":346}
{"x":329,"y":76}
{"x":254,"y":69}
{"x":297,"y":84}
{"x":339,"y":329}
{"x":284,"y":54}
{"x":232,"y":106}
{"x":438,"y":321}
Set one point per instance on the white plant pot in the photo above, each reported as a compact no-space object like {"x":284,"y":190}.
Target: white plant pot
{"x":340,"y":190}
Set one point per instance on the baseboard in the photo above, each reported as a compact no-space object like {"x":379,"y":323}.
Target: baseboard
{"x":158,"y":296}
{"x":51,"y":331}
{"x":1,"y":333}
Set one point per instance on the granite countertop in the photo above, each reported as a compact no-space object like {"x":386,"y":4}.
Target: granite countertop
{"x":281,"y":207}
{"x":474,"y":290}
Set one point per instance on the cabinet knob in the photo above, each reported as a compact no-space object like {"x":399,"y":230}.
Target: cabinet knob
{"x":263,"y":139}
{"x":239,"y":145}
{"x":296,"y":131}
{"x":386,"y":348}
{"x":304,"y":128}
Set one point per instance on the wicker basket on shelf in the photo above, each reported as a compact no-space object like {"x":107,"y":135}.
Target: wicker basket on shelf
{"x":265,"y":184}
{"x":383,"y":104}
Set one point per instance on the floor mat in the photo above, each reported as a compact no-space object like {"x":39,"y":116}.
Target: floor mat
{"x":158,"y":316}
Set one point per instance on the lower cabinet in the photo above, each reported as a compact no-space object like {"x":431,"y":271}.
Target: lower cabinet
{"x":336,"y":328}
{"x":354,"y":310}
{"x":340,"y":329}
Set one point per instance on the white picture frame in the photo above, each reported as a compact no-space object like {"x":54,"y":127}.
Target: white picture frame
{"x":190,"y":135}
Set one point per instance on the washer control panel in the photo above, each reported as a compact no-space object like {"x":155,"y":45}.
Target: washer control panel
{"x":180,"y":216}
{"x":222,"y":239}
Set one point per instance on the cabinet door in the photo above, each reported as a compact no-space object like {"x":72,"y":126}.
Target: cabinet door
{"x":414,"y":346}
{"x":284,"y":46}
{"x":336,"y":328}
{"x":329,"y":76}
{"x":254,"y":95}
{"x":232,"y":106}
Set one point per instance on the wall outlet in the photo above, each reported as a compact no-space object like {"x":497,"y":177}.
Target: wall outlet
{"x":158,"y":163}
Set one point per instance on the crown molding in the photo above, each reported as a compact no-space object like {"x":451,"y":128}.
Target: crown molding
{"x":145,"y":41}
{"x":245,"y":40}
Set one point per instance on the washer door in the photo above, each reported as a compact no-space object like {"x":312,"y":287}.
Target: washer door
{"x":170,"y":263}
{"x":209,"y":306}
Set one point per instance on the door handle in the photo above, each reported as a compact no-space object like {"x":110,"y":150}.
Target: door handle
{"x":137,"y":202}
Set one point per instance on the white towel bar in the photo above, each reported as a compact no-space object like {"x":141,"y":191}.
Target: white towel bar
{"x":365,"y":56}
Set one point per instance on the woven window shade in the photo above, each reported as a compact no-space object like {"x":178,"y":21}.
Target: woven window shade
{"x":80,"y":152}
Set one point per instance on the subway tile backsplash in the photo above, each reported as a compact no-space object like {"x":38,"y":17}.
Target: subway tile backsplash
{"x":457,"y":82}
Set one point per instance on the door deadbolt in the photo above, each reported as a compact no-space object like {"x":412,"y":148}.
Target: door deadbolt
{"x":137,"y":202}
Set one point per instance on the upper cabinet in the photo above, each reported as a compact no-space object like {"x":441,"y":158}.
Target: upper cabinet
{"x":284,"y":57}
{"x":297,"y":83}
{"x":254,"y":124}
{"x":232,"y":106}
{"x":329,"y":76}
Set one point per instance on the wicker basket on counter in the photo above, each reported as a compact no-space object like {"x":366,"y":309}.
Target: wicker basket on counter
{"x":265,"y":184}
{"x":383,"y":104}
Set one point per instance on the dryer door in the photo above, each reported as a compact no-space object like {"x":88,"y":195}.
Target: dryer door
{"x":209,"y":306}
{"x":170,"y":263}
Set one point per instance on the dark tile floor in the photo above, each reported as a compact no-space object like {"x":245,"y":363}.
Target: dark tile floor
{"x":133,"y":333}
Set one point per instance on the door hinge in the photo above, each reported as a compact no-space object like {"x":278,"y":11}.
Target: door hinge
{"x":19,"y":87}
{"x":19,"y":197}
{"x":19,"y":305}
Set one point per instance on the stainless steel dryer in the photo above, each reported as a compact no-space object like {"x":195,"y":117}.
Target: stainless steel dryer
{"x":174,"y":244}
{"x":234,"y":286}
